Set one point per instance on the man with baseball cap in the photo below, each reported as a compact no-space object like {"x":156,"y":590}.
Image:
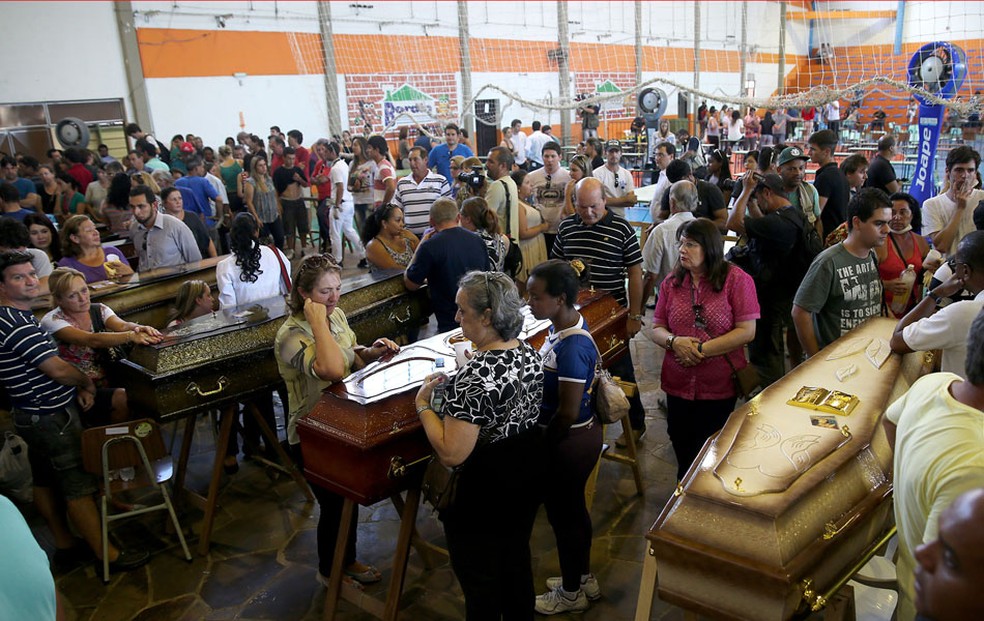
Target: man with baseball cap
{"x":792,"y":168}
{"x":773,"y":228}
{"x":617,"y":182}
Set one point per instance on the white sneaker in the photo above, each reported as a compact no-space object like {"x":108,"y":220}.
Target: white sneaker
{"x":589,"y":585}
{"x":558,"y":600}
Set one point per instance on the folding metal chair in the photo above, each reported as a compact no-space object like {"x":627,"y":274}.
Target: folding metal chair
{"x":127,"y":456}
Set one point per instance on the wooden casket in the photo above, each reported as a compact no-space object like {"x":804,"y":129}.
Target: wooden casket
{"x":145,"y":297}
{"x":364,"y":440}
{"x":206,"y":362}
{"x":226,"y":356}
{"x":780,"y":504}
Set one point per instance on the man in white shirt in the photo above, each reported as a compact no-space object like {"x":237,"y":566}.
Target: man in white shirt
{"x":617,"y":182}
{"x":519,"y":142}
{"x":833,"y":113}
{"x":949,"y":217}
{"x":664,"y":154}
{"x":549,"y":184}
{"x":534,"y":145}
{"x":416,"y":192}
{"x":342,"y":208}
{"x":660,"y":255}
{"x":502,"y":194}
{"x":922,"y":329}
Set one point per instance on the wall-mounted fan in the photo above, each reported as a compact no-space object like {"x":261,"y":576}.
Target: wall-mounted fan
{"x":72,"y":132}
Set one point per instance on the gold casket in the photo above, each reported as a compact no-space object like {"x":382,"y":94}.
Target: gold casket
{"x":784,"y":500}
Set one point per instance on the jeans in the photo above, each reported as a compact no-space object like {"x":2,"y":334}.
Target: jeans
{"x":275,"y":229}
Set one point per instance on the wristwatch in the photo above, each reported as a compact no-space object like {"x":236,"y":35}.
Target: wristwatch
{"x":936,"y":298}
{"x":669,"y":342}
{"x":635,"y":317}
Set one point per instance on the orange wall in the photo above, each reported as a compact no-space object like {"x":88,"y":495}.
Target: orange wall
{"x":171,"y":53}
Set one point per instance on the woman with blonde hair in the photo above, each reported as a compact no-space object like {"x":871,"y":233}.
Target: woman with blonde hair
{"x":580,"y":168}
{"x":194,"y":300}
{"x":261,"y":200}
{"x":85,"y":332}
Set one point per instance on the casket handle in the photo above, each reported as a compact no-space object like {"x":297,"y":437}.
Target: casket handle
{"x":193,"y":388}
{"x":394,"y":317}
{"x":398,"y":469}
{"x":614,"y":343}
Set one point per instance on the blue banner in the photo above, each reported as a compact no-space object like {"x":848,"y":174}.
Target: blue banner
{"x":922,"y":185}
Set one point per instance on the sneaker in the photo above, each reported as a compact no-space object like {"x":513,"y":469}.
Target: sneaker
{"x":558,"y":600}
{"x":636,"y":433}
{"x":129,"y":559}
{"x":363,"y":264}
{"x":589,"y":586}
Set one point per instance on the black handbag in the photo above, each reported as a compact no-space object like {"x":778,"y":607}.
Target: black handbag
{"x":440,"y":485}
{"x":107,"y":355}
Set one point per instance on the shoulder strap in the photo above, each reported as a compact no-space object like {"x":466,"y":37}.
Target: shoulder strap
{"x":283,"y":268}
{"x":505,"y":188}
{"x":570,"y":331}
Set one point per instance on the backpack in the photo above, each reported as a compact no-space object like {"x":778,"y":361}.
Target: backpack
{"x":163,"y":153}
{"x":809,"y":245}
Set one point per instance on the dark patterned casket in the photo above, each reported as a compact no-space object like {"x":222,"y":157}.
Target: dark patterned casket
{"x":786,"y":498}
{"x":364,"y":441}
{"x":226,"y":356}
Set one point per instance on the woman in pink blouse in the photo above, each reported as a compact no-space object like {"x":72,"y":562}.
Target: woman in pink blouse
{"x":705,"y":315}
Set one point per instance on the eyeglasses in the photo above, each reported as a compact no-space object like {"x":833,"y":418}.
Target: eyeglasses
{"x":699,"y":320}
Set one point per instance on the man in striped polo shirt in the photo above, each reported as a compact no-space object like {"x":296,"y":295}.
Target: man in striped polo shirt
{"x":416,"y":192}
{"x":44,"y":390}
{"x":607,"y":244}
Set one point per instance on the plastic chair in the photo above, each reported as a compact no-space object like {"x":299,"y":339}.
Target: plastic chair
{"x":127,"y":456}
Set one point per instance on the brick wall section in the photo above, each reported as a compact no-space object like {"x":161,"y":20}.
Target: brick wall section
{"x":587,"y":82}
{"x":371,"y":88}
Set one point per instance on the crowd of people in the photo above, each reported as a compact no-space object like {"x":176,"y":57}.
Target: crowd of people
{"x":813,"y":261}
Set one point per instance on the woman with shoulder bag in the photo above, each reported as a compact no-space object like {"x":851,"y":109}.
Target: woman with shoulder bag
{"x":573,"y":434}
{"x":705,"y":315}
{"x":85,"y":332}
{"x":486,"y":428}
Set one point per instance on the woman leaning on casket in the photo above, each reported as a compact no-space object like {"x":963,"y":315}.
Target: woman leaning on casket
{"x":705,"y":314}
{"x":487,"y":426}
{"x":315,"y":347}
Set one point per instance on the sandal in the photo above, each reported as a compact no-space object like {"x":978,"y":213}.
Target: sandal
{"x":346,"y":581}
{"x":369,"y":576}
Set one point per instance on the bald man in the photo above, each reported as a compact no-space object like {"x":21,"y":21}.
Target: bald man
{"x":951,"y":567}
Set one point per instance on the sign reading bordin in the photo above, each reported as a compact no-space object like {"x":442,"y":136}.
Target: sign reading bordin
{"x":407,"y":105}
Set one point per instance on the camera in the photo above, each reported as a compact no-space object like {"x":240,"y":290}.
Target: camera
{"x":473,"y":179}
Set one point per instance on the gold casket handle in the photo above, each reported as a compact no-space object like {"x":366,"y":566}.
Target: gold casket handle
{"x":398,"y":468}
{"x":394,"y":317}
{"x":613,"y":344}
{"x":194,"y":389}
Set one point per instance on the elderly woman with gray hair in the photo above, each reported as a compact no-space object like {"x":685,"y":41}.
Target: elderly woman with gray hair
{"x":486,"y":427}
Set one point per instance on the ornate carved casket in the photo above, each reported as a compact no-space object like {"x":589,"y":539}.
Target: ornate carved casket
{"x":786,"y":497}
{"x":206,"y":362}
{"x":364,"y":441}
{"x":145,"y":297}
{"x":224,"y":357}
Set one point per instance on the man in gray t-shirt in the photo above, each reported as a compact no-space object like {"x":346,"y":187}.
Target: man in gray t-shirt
{"x":842,"y":287}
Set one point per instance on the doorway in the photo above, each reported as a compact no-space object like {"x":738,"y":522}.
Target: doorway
{"x":486,"y":125}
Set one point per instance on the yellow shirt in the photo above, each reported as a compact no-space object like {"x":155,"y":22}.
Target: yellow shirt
{"x":939,"y":454}
{"x":296,"y":354}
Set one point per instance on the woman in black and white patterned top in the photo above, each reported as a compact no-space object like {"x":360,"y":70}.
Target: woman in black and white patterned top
{"x":487,"y":427}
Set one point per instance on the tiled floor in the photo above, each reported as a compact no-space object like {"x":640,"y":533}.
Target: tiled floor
{"x":263,"y":555}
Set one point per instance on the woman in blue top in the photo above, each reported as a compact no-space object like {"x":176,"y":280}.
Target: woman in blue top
{"x":573,"y":434}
